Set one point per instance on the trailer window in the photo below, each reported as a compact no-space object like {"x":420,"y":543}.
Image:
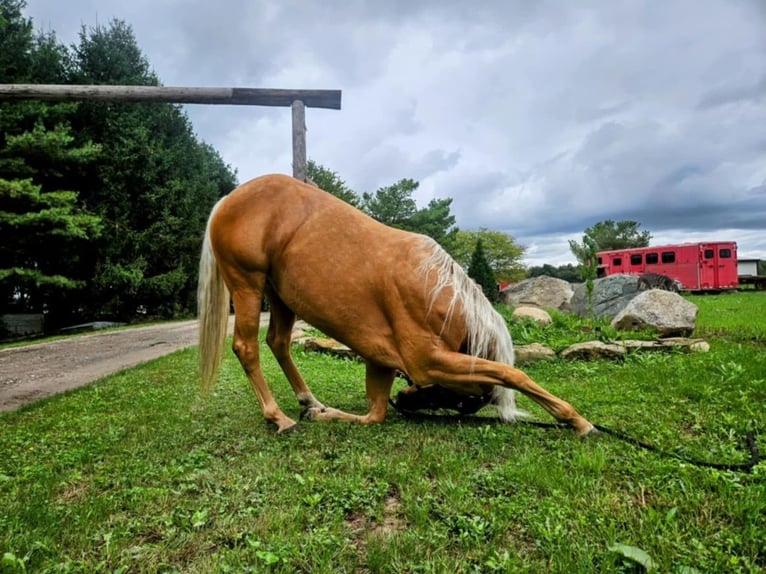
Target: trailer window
{"x":617,"y":261}
{"x":668,"y":256}
{"x":635,"y":259}
{"x":651,"y":258}
{"x":709,"y":253}
{"x":599,"y":261}
{"x":724,"y":253}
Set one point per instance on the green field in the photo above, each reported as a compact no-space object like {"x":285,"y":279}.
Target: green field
{"x":137,"y":474}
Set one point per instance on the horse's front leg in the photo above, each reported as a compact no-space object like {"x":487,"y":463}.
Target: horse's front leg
{"x":378,"y":381}
{"x":456,"y":371}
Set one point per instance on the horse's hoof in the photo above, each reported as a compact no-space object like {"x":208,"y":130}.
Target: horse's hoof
{"x":591,"y":432}
{"x":293,"y":428}
{"x":307,"y":414}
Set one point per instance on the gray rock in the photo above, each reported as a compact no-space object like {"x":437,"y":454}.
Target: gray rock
{"x":610,"y":295}
{"x":681,"y":343}
{"x":536,"y":314}
{"x":328,"y":346}
{"x":543,"y":292}
{"x":667,"y":313}
{"x":532,"y":353}
{"x":591,"y":350}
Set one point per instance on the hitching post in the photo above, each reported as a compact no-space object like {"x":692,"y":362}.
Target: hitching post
{"x":297,"y":99}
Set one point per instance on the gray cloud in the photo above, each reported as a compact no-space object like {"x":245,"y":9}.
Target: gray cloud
{"x":537,"y":118}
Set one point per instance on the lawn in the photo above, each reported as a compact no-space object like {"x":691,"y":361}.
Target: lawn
{"x":135,"y":473}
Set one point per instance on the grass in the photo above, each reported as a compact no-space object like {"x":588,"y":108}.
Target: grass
{"x":136,"y":474}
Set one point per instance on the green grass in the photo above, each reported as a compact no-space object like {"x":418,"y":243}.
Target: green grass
{"x":738,"y":316}
{"x":136,"y":474}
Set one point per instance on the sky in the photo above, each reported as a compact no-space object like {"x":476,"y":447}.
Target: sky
{"x":538,"y":118}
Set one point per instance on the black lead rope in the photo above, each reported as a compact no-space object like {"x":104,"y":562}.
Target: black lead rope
{"x":746,"y":466}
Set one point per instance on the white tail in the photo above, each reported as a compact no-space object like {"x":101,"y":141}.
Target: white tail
{"x":213,"y":312}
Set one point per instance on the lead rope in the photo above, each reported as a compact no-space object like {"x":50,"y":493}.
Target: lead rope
{"x":746,"y":466}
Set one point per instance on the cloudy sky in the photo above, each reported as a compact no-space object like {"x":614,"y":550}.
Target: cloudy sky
{"x":539,"y":118}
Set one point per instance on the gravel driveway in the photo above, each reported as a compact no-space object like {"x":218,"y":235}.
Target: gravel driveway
{"x":36,"y":371}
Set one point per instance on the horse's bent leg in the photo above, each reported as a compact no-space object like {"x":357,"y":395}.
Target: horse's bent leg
{"x":247,"y":311}
{"x":279,"y":339}
{"x":378,"y":381}
{"x":456,"y":369}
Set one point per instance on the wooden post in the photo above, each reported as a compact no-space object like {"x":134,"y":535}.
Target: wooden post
{"x":297,"y":99}
{"x":299,"y":140}
{"x":329,"y":99}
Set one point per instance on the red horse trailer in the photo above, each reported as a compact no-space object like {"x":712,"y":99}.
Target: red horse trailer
{"x":709,"y":266}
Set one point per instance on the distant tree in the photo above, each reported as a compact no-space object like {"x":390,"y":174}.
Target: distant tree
{"x":331,"y":182}
{"x":481,"y":272}
{"x":392,"y":205}
{"x":395,"y":206}
{"x":566,"y":272}
{"x":609,"y":234}
{"x":436,"y":221}
{"x":501,"y":250}
{"x":762,"y":267}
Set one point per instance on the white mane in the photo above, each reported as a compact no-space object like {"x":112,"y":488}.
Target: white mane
{"x":487,"y":334}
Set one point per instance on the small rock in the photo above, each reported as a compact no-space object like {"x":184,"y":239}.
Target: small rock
{"x":590,"y":350}
{"x":525,"y":354}
{"x":536,"y":314}
{"x":329,"y":346}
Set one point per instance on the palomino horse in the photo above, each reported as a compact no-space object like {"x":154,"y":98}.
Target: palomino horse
{"x":396,"y":298}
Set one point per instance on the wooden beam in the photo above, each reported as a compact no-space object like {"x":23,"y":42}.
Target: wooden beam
{"x":299,"y":140}
{"x":328,"y":99}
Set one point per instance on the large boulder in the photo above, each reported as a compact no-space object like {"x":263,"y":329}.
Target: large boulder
{"x":667,"y":313}
{"x":610,"y":295}
{"x":543,"y":291}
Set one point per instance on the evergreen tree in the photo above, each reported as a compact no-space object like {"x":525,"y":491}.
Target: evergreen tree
{"x":331,"y":182}
{"x":395,"y":206}
{"x":153,"y":186}
{"x":501,"y":250}
{"x":392,"y":205}
{"x":481,"y":272}
{"x":43,"y":225}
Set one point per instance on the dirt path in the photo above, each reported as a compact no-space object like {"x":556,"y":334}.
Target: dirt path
{"x":32,"y":372}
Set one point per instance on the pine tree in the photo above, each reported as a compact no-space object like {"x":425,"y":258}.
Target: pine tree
{"x":480,"y":271}
{"x":43,"y":226}
{"x":154,"y":185}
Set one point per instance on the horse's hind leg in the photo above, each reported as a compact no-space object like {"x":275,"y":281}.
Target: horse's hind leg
{"x":279,"y":338}
{"x":455,"y":369}
{"x":247,"y":311}
{"x":378,"y":381}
